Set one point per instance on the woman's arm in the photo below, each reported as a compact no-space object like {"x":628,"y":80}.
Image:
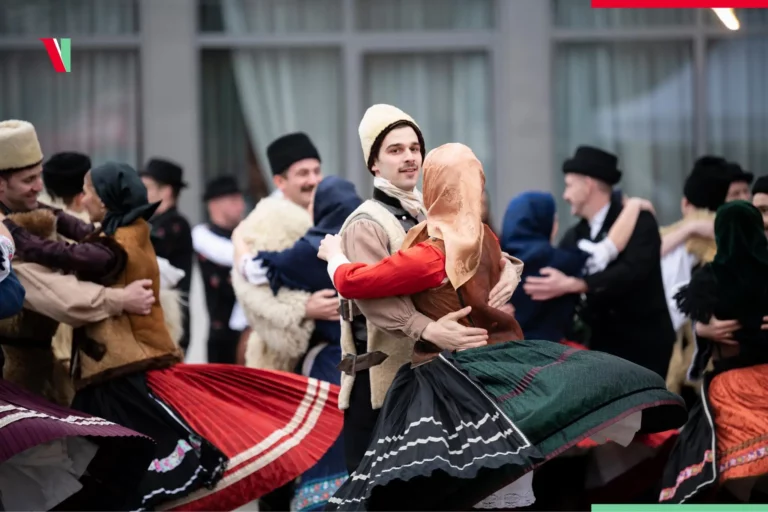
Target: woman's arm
{"x":703,"y":227}
{"x":406,"y":272}
{"x":622,"y":229}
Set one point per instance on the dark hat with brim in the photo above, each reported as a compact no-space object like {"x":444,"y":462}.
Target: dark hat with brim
{"x":738,"y":174}
{"x":164,"y":172}
{"x":289,"y":149}
{"x":760,"y":186}
{"x":220,"y":187}
{"x":64,"y":173}
{"x":707,"y":185}
{"x":595,"y":163}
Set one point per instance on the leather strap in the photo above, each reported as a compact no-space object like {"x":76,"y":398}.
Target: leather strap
{"x":351,"y":364}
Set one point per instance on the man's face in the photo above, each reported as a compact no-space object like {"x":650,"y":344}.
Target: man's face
{"x":230,"y":209}
{"x":760,"y":201}
{"x":739,"y":190}
{"x":399,"y":159}
{"x":19,"y":191}
{"x":300,"y":180}
{"x":577,"y":191}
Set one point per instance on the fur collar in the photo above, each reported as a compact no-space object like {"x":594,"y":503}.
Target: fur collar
{"x":275,"y":224}
{"x":40,"y":222}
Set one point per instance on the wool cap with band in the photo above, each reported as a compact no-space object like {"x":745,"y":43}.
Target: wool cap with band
{"x":165,"y":172}
{"x":377,"y":122}
{"x":64,"y":173}
{"x":707,"y":185}
{"x":594,"y":163}
{"x":220,"y":187}
{"x":738,"y":174}
{"x":760,"y":186}
{"x":19,"y":147}
{"x":289,"y":149}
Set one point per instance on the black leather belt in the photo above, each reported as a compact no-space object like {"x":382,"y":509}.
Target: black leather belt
{"x":351,"y":364}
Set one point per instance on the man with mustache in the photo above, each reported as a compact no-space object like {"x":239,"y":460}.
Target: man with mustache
{"x":282,"y":324}
{"x":378,"y":335}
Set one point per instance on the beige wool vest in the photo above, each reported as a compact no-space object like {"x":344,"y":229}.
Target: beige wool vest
{"x":398,"y":348}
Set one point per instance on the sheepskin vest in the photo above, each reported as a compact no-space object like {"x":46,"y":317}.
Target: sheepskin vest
{"x":399,"y":349}
{"x":26,"y":337}
{"x":279,"y":334}
{"x":704,"y":249}
{"x":127,"y":343}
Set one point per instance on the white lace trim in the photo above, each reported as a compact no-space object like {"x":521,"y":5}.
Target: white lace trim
{"x":518,"y":494}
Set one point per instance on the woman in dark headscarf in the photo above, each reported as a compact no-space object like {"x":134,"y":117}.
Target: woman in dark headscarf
{"x":529,"y":231}
{"x":725,"y":443}
{"x":300,"y":268}
{"x":225,"y":435}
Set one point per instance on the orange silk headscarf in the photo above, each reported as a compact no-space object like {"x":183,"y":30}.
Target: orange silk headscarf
{"x":453,"y":196}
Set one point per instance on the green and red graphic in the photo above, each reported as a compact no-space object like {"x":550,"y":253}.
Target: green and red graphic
{"x":59,"y":51}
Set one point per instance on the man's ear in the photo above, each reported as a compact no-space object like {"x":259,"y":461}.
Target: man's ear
{"x":279,"y":181}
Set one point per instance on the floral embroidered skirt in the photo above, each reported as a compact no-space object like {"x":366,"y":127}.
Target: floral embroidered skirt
{"x":226,"y":435}
{"x":49,"y":453}
{"x":726,"y":438}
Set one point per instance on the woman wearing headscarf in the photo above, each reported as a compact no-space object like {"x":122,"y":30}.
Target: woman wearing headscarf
{"x":299,"y":268}
{"x":724,"y":445}
{"x":529,"y":230}
{"x":225,"y":435}
{"x":458,"y":427}
{"x":45,"y":449}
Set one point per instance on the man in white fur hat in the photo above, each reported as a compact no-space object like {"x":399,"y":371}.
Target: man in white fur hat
{"x":378,"y":335}
{"x":50,"y":293}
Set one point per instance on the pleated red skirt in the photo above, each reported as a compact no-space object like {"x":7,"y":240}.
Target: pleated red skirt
{"x":271,"y":425}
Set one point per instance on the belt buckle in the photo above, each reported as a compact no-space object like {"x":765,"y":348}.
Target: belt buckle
{"x":345,"y":310}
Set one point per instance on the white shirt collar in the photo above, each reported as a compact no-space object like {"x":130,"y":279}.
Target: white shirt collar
{"x":597,"y":221}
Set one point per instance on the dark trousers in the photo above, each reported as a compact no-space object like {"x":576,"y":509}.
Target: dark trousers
{"x":359,"y":421}
{"x":222,"y":346}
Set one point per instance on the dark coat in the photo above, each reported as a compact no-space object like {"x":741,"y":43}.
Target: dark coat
{"x":626,"y":308}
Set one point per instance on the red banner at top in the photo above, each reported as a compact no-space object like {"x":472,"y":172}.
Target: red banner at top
{"x":677,"y":4}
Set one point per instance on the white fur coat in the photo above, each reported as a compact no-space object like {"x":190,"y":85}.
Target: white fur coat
{"x":280,"y":333}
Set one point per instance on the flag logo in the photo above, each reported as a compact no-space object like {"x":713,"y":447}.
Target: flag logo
{"x":59,"y":51}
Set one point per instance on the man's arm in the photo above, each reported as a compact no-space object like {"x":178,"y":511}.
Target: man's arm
{"x":93,"y":258}
{"x":64,"y":298}
{"x":634,"y":265}
{"x":365,"y":241}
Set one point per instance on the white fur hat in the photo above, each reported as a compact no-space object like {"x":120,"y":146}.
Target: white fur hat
{"x":375,"y":123}
{"x":19,"y":147}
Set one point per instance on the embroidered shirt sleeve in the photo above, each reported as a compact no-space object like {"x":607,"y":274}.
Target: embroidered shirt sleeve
{"x":404,"y":273}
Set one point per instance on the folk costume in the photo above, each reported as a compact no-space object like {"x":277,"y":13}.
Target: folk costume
{"x":215,"y":256}
{"x":724,"y":442}
{"x":126,"y":369}
{"x":615,"y":324}
{"x":459,"y":427}
{"x":47,"y":451}
{"x":172,"y":234}
{"x":706,"y":188}
{"x":299,"y":268}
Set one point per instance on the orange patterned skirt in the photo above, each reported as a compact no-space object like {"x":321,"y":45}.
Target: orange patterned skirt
{"x":739,"y":404}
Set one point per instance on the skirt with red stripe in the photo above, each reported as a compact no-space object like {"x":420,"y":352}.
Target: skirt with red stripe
{"x":272,"y":426}
{"x":45,"y":450}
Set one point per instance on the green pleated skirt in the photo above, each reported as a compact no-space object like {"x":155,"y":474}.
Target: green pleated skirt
{"x":560,"y":395}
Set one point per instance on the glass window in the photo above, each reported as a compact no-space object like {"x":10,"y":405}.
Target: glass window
{"x":53,"y":18}
{"x":635,"y":100}
{"x":251,"y":97}
{"x":737,"y":102}
{"x":94,"y":109}
{"x":580,"y":14}
{"x":746,"y":17}
{"x":270,"y":16}
{"x":449,"y":97}
{"x":415,"y":15}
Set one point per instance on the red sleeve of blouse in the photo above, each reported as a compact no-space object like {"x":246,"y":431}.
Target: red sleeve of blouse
{"x":406,"y":272}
